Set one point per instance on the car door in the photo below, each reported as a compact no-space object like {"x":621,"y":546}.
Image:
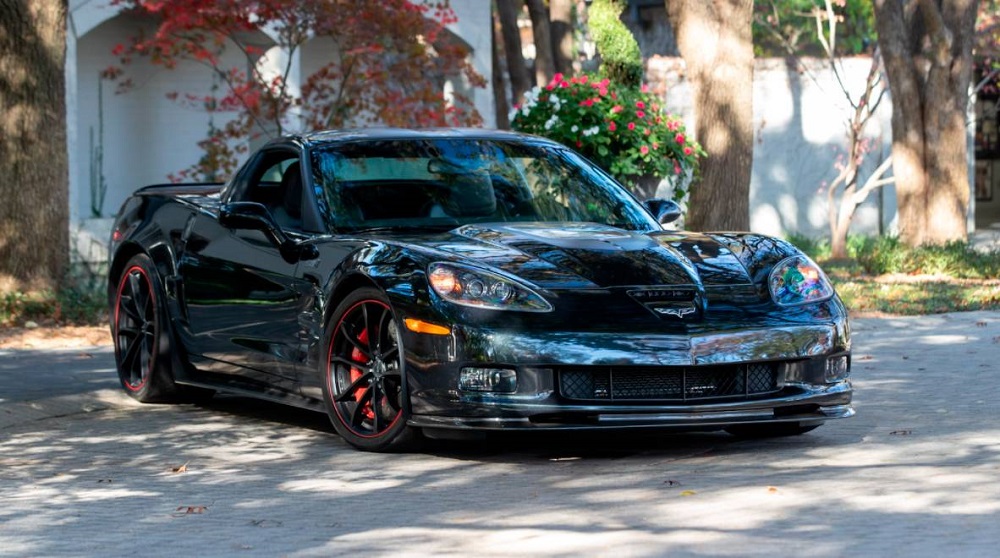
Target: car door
{"x":241,"y":297}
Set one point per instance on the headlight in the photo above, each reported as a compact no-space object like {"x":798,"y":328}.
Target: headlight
{"x":797,"y":280}
{"x":469,"y":286}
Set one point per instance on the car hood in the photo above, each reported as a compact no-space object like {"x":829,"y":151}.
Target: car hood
{"x":589,"y":255}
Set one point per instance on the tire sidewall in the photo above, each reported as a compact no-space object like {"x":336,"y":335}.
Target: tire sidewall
{"x":399,"y":434}
{"x":159,"y":383}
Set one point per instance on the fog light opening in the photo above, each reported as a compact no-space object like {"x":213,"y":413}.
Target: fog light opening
{"x":838,"y":368}
{"x":495,"y":380}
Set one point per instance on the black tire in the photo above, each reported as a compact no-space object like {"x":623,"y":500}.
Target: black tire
{"x":776,"y":430}
{"x":141,"y":335}
{"x":363,"y":374}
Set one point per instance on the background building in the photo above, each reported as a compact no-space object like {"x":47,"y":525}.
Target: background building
{"x":120,"y":142}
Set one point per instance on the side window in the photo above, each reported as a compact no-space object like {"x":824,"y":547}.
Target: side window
{"x":277,"y":184}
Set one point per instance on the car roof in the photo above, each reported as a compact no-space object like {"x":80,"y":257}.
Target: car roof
{"x":326,"y":137}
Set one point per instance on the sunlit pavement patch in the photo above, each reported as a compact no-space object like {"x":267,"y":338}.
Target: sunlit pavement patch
{"x":915,"y":473}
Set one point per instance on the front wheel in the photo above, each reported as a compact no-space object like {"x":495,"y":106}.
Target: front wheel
{"x":363,"y":374}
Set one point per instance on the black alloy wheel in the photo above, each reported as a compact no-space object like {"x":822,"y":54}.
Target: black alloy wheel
{"x":364,"y":386}
{"x":141,"y":340}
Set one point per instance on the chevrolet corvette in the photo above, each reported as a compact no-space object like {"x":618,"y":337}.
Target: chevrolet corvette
{"x":430,"y":282}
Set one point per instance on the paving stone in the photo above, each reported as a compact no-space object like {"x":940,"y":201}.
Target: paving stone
{"x":915,"y":473}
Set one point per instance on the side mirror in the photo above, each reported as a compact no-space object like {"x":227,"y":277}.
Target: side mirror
{"x":665,"y":211}
{"x":247,"y":215}
{"x":254,"y":216}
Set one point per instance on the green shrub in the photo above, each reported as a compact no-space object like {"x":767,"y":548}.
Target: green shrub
{"x":816,"y":248}
{"x":72,"y":305}
{"x":621,"y":60}
{"x":881,"y":255}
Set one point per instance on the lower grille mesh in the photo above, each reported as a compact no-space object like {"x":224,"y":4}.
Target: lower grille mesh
{"x":671,"y":383}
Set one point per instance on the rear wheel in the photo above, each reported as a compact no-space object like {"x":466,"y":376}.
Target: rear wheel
{"x":363,"y":374}
{"x":776,"y":430}
{"x":142,"y":341}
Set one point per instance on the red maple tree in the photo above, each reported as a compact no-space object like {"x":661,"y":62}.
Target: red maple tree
{"x":388,"y":63}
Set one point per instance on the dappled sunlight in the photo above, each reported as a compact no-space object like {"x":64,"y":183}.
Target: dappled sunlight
{"x":799,"y":132}
{"x":918,"y":465}
{"x":260,"y":448}
{"x":341,"y":487}
{"x":948,"y":340}
{"x":549,"y":539}
{"x":550,"y":495}
{"x":618,"y":496}
{"x":767,"y":220}
{"x":482,"y":539}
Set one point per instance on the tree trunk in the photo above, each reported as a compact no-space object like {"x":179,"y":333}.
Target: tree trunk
{"x":34,"y":220}
{"x":501,"y":104}
{"x":927,"y":48}
{"x":544,"y":66}
{"x":561,"y":19}
{"x":520,"y":80}
{"x":715,"y":40}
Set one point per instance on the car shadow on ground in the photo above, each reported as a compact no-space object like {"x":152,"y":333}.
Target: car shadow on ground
{"x":498,"y":447}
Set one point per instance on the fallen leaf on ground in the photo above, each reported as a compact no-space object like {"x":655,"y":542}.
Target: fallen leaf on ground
{"x":190,"y":510}
{"x":688,"y":493}
{"x":772,"y":489}
{"x":181,"y":469}
{"x":265,"y":523}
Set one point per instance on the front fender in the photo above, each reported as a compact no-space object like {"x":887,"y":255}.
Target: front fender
{"x":758,"y":253}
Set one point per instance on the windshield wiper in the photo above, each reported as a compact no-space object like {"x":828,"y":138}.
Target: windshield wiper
{"x":439,"y":227}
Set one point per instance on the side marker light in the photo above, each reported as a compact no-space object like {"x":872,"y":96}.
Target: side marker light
{"x":420,"y":326}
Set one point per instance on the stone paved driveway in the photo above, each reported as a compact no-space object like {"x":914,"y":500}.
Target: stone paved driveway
{"x":915,"y":473}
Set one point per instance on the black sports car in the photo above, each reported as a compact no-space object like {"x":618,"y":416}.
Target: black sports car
{"x":410,"y":282}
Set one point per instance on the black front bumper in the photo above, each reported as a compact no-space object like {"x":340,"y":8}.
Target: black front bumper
{"x":798,"y":355}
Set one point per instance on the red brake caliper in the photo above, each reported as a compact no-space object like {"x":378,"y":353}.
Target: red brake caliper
{"x":359,"y":357}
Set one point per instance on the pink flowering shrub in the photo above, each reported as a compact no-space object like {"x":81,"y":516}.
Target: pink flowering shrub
{"x":623,"y":130}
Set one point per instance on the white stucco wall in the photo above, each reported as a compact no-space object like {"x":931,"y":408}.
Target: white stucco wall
{"x":475,"y":27}
{"x":799,"y":128}
{"x":148,"y":136}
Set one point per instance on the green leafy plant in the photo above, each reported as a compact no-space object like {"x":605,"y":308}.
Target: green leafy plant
{"x":816,"y":248}
{"x":780,"y":26}
{"x":886,"y":276}
{"x":956,"y":259}
{"x":71,"y":305}
{"x":621,"y":129}
{"x":621,"y":59}
{"x":881,"y":255}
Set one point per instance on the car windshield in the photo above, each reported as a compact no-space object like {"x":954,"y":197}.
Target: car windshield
{"x":402,"y":184}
